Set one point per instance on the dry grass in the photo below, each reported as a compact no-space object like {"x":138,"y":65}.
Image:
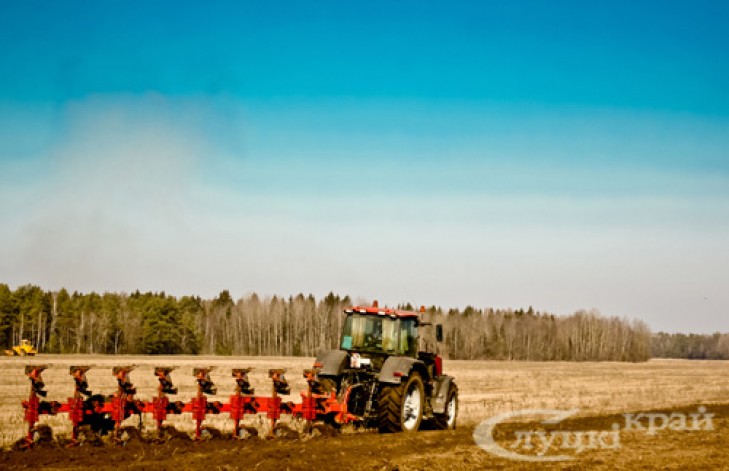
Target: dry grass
{"x":486,"y":387}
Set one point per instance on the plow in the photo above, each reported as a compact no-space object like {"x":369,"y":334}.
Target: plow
{"x":105,"y":415}
{"x":383,"y":376}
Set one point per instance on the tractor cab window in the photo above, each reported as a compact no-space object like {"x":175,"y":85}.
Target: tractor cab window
{"x":380,"y":334}
{"x":408,"y":337}
{"x":371,"y":333}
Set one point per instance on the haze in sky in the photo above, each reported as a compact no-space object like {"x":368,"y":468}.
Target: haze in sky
{"x":554,"y":154}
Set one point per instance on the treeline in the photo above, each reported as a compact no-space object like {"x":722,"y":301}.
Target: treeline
{"x":529,"y":335}
{"x":156,"y":323}
{"x":691,"y":346}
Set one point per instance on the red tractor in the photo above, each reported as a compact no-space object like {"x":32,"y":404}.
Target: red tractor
{"x":382,"y":376}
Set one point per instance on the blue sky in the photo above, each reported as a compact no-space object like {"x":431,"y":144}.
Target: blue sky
{"x":553,"y":154}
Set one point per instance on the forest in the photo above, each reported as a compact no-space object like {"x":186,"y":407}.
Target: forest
{"x":300,"y":325}
{"x":692,"y":346}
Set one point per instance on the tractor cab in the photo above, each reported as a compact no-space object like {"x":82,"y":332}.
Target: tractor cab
{"x":380,"y":331}
{"x":372,"y":334}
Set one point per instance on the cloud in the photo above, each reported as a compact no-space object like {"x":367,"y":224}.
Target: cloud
{"x":114,"y":192}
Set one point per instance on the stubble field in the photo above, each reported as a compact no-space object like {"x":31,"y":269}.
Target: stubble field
{"x":600,"y":392}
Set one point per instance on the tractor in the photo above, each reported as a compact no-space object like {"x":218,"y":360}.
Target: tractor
{"x":24,"y":349}
{"x":382,"y":376}
{"x":385,"y":375}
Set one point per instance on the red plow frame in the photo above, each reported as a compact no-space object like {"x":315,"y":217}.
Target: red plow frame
{"x":315,"y":405}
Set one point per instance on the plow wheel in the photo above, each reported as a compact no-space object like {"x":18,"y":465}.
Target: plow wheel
{"x":400,"y":408}
{"x":447,"y":421}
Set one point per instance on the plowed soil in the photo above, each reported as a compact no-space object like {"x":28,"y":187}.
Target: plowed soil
{"x":664,"y":449}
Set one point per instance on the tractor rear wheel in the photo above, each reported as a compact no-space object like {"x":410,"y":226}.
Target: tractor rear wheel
{"x":447,"y":421}
{"x":400,"y":408}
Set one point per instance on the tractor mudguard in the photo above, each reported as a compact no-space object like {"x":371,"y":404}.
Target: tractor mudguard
{"x":440,"y":395}
{"x":331,"y":361}
{"x":396,"y":368}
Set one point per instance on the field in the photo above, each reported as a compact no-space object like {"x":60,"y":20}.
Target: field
{"x":601,"y":392}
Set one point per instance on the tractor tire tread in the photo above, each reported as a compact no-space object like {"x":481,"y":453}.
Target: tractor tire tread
{"x":390,"y":404}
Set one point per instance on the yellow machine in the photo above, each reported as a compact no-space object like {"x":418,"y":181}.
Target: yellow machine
{"x":25,"y":348}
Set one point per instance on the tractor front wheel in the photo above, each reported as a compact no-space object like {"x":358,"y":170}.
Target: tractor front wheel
{"x":400,"y":408}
